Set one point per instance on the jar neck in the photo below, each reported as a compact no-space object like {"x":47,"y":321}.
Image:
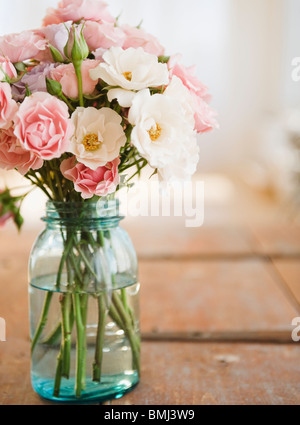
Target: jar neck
{"x":89,"y":215}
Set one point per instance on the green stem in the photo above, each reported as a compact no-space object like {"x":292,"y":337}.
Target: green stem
{"x":124,"y":299}
{"x":128,"y":330}
{"x":84,"y":313}
{"x":59,"y":187}
{"x":58,"y":374}
{"x":102,"y":312}
{"x":39,"y":185}
{"x":63,"y":260}
{"x":80,"y":345}
{"x":43,"y":320}
{"x":67,"y":102}
{"x":86,"y":261}
{"x":77,"y":66}
{"x":66,"y":334}
{"x":53,"y":337}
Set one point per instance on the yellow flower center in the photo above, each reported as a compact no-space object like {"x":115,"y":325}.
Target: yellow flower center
{"x":128,"y":75}
{"x":155,"y":132}
{"x":91,"y":142}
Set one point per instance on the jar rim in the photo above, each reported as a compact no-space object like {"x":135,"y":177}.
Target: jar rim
{"x":90,"y":212}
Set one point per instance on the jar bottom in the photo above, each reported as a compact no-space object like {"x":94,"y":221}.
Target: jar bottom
{"x":111,"y":387}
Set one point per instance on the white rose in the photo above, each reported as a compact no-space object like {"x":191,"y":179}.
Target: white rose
{"x":98,"y":136}
{"x":182,"y":169}
{"x":131,"y":70}
{"x":160,"y":128}
{"x":177,"y":91}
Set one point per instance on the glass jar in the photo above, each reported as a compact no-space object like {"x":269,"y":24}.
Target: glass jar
{"x":84,"y":305}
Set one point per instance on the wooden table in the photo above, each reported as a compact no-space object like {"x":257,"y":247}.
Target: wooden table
{"x":216,"y":311}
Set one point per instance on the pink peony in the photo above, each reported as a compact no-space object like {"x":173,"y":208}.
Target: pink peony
{"x":21,"y":47}
{"x":101,"y":182}
{"x":75,"y":10}
{"x":8,"y":107}
{"x":43,"y":126}
{"x":7,"y":69}
{"x":136,"y":37}
{"x":65,"y":74}
{"x":102,"y":36}
{"x":12,"y":155}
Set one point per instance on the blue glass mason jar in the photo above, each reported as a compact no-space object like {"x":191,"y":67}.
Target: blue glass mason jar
{"x":84,"y":305}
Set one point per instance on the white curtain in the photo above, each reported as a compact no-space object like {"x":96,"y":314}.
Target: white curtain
{"x":243,"y":51}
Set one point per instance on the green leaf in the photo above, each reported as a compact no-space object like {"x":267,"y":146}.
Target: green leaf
{"x":163,"y":59}
{"x":27,"y":92}
{"x":56,"y":55}
{"x":20,"y":66}
{"x":19,"y":221}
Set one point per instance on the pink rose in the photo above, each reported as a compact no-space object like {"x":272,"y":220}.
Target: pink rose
{"x":65,"y":75}
{"x":188,"y":77}
{"x":57,"y":35}
{"x":34,"y":80}
{"x":204,"y":114}
{"x":12,"y":155}
{"x":43,"y":127}
{"x":7,"y":69}
{"x":51,"y":17}
{"x":101,"y":182}
{"x":21,"y":47}
{"x":136,"y":37}
{"x":8,"y":107}
{"x":75,"y":10}
{"x":102,"y":36}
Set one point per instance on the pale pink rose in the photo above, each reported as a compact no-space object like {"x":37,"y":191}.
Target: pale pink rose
{"x":43,"y":127}
{"x":8,"y":107}
{"x":51,"y":17}
{"x":7,"y":69}
{"x":75,"y":10}
{"x":101,"y":182}
{"x":21,"y":47}
{"x":103,"y":36}
{"x":137,"y":37}
{"x":57,"y":35}
{"x":12,"y":155}
{"x":188,"y":77}
{"x":34,"y":80}
{"x":204,"y":115}
{"x":65,"y":75}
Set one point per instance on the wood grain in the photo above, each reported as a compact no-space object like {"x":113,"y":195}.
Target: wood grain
{"x":215,"y":319}
{"x":217,"y":374}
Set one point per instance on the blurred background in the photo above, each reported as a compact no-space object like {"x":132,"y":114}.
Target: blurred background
{"x":246,"y":52}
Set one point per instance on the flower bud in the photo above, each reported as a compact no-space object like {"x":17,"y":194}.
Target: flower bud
{"x":54,"y":87}
{"x":56,"y":55}
{"x":76,"y":48}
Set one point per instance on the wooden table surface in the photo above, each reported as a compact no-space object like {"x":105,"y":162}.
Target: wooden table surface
{"x":217,"y":304}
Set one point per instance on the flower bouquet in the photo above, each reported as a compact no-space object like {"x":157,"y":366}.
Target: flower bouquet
{"x":85,"y":105}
